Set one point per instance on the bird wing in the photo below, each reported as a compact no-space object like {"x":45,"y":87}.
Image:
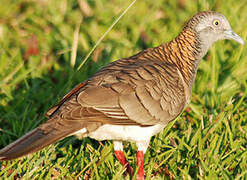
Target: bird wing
{"x":126,"y":92}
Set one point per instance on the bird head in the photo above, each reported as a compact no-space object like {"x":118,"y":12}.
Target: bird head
{"x":210,"y":27}
{"x":213,"y":26}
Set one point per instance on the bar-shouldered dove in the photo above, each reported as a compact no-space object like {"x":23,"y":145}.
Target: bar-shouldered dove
{"x":133,"y":98}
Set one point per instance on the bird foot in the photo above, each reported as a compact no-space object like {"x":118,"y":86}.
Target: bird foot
{"x":120,"y":156}
{"x":139,"y":163}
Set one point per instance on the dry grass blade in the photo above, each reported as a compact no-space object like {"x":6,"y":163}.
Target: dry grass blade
{"x":75,"y":44}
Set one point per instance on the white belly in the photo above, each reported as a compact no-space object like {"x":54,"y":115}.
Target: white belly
{"x":125,"y":133}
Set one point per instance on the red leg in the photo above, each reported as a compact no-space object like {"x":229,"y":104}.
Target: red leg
{"x":120,"y":156}
{"x":139,"y":163}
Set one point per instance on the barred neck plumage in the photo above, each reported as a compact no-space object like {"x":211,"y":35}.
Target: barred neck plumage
{"x":185,"y":51}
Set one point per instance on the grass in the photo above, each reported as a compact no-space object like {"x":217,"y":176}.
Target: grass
{"x":42,"y":43}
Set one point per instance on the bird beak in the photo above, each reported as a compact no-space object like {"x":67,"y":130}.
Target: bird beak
{"x":229,"y":34}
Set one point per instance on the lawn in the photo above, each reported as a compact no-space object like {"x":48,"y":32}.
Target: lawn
{"x":42,"y":44}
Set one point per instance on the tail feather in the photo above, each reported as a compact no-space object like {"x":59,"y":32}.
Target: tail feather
{"x":31,"y":142}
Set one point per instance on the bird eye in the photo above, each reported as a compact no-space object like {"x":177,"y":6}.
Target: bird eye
{"x":216,"y":22}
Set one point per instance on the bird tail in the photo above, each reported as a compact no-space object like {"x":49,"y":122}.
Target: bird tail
{"x":32,"y":142}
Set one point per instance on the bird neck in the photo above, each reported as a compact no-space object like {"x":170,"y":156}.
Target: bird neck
{"x":185,"y":51}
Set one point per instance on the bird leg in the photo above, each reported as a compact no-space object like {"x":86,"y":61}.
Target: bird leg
{"x":139,"y":164}
{"x":120,"y":156}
